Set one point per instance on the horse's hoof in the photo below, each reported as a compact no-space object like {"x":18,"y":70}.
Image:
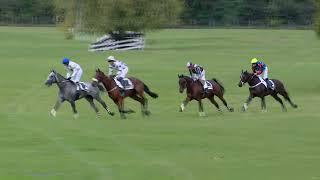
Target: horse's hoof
{"x":202,"y":114}
{"x":180,"y":110}
{"x":264,"y":110}
{"x":111,"y":113}
{"x":231,"y":110}
{"x":284,"y":110}
{"x":244,"y":109}
{"x":53,"y":113}
{"x":147,"y":113}
{"x":295,"y":106}
{"x":75,"y":116}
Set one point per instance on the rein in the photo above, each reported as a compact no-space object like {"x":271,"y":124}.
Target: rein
{"x":115,"y":87}
{"x":251,"y":87}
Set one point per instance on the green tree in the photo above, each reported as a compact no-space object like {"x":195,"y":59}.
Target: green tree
{"x":317,"y":19}
{"x":104,"y":16}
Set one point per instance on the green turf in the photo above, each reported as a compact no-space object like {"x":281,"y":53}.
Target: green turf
{"x":169,"y":144}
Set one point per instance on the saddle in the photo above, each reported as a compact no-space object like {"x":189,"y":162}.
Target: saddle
{"x":209,"y":84}
{"x":127,"y":84}
{"x":265,"y":83}
{"x":81,"y":86}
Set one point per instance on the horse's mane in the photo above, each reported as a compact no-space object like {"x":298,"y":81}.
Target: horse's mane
{"x":58,"y":75}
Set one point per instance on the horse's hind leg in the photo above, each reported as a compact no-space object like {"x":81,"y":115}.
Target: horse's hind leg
{"x":98,"y":98}
{"x":287,"y":98}
{"x":214,"y":102}
{"x":225,"y":103}
{"x":276,"y":97}
{"x":143,"y":102}
{"x":75,"y":112}
{"x":94,"y":107}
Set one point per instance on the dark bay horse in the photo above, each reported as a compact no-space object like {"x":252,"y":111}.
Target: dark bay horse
{"x":137,"y":93}
{"x":258,"y":89}
{"x":68,"y":92}
{"x":195,"y":92}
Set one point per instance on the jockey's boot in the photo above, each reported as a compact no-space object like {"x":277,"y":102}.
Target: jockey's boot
{"x":122,"y":92}
{"x":269,"y":85}
{"x":205,"y":91}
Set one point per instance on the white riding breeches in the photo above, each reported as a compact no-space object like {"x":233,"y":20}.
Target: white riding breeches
{"x":264,"y":74}
{"x":77,"y":76}
{"x":202,"y":78}
{"x":123,"y":73}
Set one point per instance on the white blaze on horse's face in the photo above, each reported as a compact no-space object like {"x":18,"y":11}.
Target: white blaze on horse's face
{"x":50,"y":79}
{"x":50,"y":76}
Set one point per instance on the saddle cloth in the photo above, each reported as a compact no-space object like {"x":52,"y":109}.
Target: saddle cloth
{"x":210,"y":86}
{"x":265,"y":83}
{"x":82,"y":86}
{"x":129,"y":84}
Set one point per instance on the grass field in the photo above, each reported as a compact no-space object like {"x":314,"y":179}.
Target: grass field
{"x":169,"y":144}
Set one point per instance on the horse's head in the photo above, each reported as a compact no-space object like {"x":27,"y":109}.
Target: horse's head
{"x":52,"y":78}
{"x":182,"y":83}
{"x":99,"y":75}
{"x":245,"y":76}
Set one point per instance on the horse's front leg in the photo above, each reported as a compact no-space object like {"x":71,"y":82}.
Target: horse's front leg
{"x":263,"y":104}
{"x":184,"y":104}
{"x":53,"y":111}
{"x":201,"y":112}
{"x":75,"y":112}
{"x":120,"y":104}
{"x":245,"y":105}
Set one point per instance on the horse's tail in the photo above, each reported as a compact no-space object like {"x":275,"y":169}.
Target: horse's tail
{"x":220,"y":84}
{"x":147,"y":90}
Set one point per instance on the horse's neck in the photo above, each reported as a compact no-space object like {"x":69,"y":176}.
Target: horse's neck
{"x":60,"y":78}
{"x":189,"y":83}
{"x":254,"y":80}
{"x":108,"y":83}
{"x":62,"y":82}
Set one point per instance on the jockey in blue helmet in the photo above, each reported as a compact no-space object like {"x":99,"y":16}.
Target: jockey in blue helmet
{"x":74,"y":70}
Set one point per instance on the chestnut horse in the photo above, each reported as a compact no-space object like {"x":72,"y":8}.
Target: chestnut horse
{"x":137,"y":93}
{"x":195,"y":92}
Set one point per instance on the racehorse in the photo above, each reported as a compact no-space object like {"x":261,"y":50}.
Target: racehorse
{"x":258,"y":89}
{"x":137,"y":93}
{"x":195,"y":91}
{"x":68,"y":92}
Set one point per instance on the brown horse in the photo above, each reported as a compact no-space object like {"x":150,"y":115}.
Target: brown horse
{"x":258,"y":89}
{"x":137,"y":93}
{"x":195,"y":91}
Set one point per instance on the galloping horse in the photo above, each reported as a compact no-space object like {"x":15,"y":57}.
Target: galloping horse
{"x":137,"y":93}
{"x":195,"y":92}
{"x":68,"y":92}
{"x":258,"y":89}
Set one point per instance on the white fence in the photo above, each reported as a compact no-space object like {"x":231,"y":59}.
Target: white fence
{"x":106,"y":43}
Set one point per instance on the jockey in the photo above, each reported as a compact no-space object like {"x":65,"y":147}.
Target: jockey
{"x":260,"y":69}
{"x":74,"y":71}
{"x":198,"y":73}
{"x":122,"y":71}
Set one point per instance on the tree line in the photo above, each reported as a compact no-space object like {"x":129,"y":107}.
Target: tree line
{"x":107,"y":15}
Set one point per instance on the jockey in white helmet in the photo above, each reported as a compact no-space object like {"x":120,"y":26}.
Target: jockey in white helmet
{"x":198,"y":73}
{"x":121,"y":68}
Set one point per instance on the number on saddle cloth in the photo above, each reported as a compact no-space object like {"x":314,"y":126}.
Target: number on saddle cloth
{"x":82,"y":86}
{"x":124,"y":83}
